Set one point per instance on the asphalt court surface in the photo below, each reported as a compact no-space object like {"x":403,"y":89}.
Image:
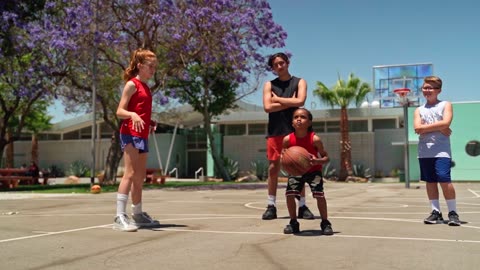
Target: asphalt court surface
{"x":377,"y":226}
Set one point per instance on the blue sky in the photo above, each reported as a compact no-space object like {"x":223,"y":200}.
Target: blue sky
{"x":328,"y":38}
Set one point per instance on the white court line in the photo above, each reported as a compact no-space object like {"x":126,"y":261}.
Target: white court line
{"x":252,"y":233}
{"x":21,"y":215}
{"x":52,"y":233}
{"x":334,"y":236}
{"x":331,"y":205}
{"x":474,"y":193}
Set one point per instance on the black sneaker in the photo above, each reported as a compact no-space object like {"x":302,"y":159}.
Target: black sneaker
{"x":326,"y":227}
{"x":270,"y":213}
{"x":305,"y":213}
{"x":293,"y":227}
{"x":434,"y":218}
{"x":453,"y":219}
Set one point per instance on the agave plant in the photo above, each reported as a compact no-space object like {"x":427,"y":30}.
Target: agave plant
{"x":260,"y":169}
{"x":360,"y":170}
{"x":79,"y":169}
{"x":328,"y":171}
{"x":231,"y":167}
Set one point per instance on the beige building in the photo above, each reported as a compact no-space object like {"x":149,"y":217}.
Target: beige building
{"x":241,"y":136}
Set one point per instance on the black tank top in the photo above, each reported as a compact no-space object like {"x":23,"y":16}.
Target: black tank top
{"x":280,"y":123}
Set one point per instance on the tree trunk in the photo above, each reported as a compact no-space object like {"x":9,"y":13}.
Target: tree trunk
{"x":215,"y":153}
{"x":345,"y":147}
{"x":3,"y":146}
{"x":9,"y":151}
{"x":35,"y":149}
{"x":114,"y":157}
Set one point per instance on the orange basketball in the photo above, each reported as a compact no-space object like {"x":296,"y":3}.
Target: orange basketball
{"x":95,"y":189}
{"x":295,"y":160}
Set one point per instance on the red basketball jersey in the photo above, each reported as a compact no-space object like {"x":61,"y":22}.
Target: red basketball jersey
{"x":141,"y":103}
{"x":307,"y":143}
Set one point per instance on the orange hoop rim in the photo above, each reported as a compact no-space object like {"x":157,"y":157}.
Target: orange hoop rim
{"x":402,"y":92}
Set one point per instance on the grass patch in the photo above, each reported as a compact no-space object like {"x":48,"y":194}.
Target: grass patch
{"x":85,"y":188}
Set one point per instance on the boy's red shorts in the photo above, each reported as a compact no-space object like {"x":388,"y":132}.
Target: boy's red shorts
{"x":274,"y":147}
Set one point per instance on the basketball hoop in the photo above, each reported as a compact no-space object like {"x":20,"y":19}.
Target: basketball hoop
{"x":402,"y":94}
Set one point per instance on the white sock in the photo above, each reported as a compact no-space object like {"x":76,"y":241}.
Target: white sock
{"x":435,"y":205}
{"x":272,"y":200}
{"x":122,"y":204}
{"x":452,"y":205}
{"x":137,"y":209}
{"x":301,"y":202}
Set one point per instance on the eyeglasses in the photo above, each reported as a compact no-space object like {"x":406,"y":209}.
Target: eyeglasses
{"x":428,"y":88}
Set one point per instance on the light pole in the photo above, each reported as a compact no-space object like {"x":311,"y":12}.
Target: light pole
{"x":94,"y":94}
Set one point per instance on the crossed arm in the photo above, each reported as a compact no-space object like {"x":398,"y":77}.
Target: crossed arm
{"x":274,"y":103}
{"x":443,"y":125}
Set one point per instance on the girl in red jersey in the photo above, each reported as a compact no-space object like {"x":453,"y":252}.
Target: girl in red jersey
{"x":135,"y":108}
{"x":305,"y":137}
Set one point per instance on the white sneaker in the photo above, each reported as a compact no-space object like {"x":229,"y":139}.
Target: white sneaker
{"x":144,"y":220}
{"x":122,"y":223}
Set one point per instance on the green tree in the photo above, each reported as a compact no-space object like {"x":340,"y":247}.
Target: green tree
{"x":88,"y":45}
{"x":37,"y":121}
{"x":342,"y":94}
{"x":24,"y":75}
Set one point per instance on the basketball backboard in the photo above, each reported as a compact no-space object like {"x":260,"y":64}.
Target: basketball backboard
{"x":390,"y":77}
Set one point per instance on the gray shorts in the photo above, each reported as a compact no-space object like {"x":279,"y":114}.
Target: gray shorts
{"x":314,"y":180}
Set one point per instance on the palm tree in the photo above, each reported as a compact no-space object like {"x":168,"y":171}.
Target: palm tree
{"x":341,"y":95}
{"x":37,"y":121}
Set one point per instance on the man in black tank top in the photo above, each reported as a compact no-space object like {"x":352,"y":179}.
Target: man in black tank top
{"x":281,"y":97}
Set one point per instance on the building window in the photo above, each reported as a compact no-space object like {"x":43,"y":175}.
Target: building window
{"x":48,"y":137}
{"x":383,"y":124}
{"x":358,"y":126}
{"x":73,"y":135}
{"x":257,"y":129}
{"x":236,"y":129}
{"x":196,"y":138}
{"x":318,"y":127}
{"x":105,"y":130}
{"x":332,"y":126}
{"x":86,"y":133}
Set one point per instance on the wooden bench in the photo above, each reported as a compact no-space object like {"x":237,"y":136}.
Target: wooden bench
{"x":12,"y":177}
{"x":153,"y":175}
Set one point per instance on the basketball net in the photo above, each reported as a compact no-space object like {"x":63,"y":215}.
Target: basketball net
{"x":402,"y":94}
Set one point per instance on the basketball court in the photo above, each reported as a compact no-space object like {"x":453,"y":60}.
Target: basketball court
{"x":377,"y":226}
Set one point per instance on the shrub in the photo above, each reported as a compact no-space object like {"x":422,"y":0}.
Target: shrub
{"x":328,"y":171}
{"x":360,"y":170}
{"x":231,"y":167}
{"x":79,"y":169}
{"x":56,"y":171}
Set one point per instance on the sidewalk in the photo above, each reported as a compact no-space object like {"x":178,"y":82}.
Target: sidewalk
{"x":86,"y":180}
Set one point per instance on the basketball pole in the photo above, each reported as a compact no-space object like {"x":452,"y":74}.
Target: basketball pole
{"x":403,"y":97}
{"x":407,"y":156}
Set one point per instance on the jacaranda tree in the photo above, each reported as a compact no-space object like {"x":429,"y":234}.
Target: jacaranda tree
{"x":208,"y":51}
{"x":89,"y":44}
{"x":24,"y":69}
{"x":216,"y":48}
